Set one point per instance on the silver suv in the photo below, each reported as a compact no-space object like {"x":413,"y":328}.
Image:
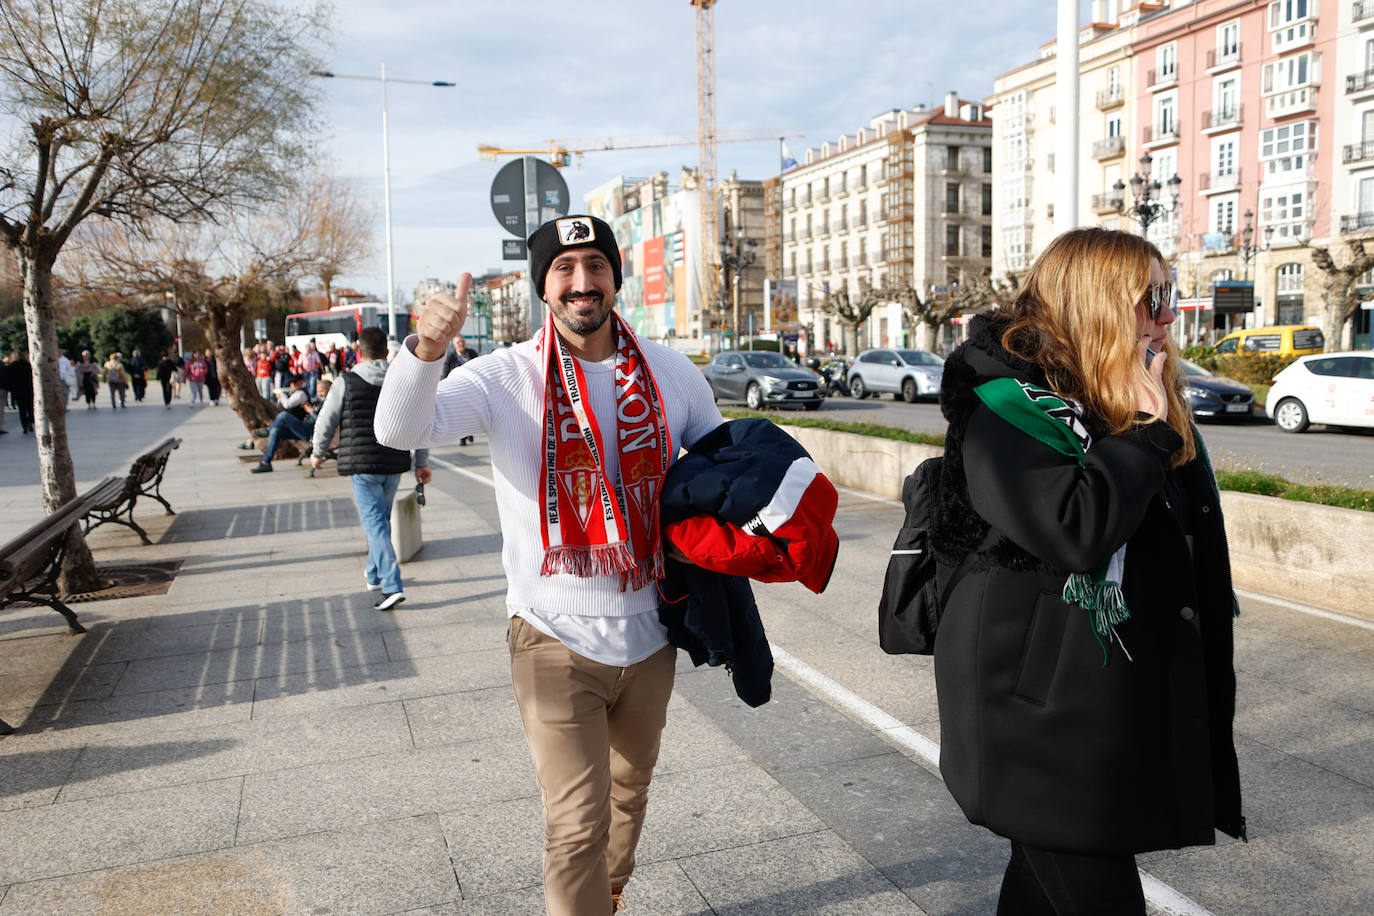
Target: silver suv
{"x":907,"y":374}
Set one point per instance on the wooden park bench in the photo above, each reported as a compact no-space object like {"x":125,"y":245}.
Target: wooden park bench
{"x":29,"y":565}
{"x":113,"y":499}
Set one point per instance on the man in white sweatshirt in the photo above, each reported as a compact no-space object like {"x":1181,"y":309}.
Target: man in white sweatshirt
{"x":583,"y":421}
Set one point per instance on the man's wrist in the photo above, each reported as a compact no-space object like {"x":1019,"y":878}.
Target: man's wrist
{"x":424,"y":352}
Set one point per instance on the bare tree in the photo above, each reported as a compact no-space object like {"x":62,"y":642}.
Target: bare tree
{"x":342,"y":228}
{"x":1340,"y":284}
{"x":135,"y":110}
{"x":853,"y":311}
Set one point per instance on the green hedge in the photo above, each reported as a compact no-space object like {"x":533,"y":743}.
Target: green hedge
{"x":1251,"y":368}
{"x":1239,"y":481}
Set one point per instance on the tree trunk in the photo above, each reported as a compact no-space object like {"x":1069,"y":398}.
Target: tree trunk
{"x":239,"y":384}
{"x":58,"y":476}
{"x":851,"y":339}
{"x":929,"y":335}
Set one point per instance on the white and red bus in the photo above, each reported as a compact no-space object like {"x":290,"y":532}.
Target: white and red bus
{"x":342,"y":324}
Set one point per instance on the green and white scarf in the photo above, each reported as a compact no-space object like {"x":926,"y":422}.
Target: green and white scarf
{"x":1058,"y":422}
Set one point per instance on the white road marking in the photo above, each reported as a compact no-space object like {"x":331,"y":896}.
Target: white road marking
{"x":1338,"y":616}
{"x":449,"y":466}
{"x":1157,"y":893}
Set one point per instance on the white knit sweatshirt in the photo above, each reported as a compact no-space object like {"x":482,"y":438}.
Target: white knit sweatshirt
{"x":502,"y":394}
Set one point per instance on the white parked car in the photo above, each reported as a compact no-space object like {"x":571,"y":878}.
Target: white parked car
{"x":1332,"y":388}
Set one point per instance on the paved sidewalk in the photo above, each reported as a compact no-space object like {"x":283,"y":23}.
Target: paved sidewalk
{"x":259,"y":740}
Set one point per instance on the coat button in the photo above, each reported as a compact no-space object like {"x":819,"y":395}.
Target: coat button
{"x":1187,"y":613}
{"x":1206,"y":509}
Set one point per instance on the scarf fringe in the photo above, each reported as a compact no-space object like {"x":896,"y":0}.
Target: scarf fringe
{"x":1104,"y":602}
{"x":584,"y":561}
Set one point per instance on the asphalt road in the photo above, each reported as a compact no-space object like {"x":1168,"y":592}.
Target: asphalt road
{"x":1304,"y":737}
{"x":1321,"y":455}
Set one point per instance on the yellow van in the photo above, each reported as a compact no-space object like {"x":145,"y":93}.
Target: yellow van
{"x":1283,"y":340}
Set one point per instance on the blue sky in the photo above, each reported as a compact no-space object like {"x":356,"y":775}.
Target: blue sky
{"x":627,"y":68}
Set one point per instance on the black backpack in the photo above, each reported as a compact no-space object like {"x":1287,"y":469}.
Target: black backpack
{"x":916,"y":584}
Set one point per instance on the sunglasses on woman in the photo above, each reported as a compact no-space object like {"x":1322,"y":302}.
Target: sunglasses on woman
{"x":1158,"y":295}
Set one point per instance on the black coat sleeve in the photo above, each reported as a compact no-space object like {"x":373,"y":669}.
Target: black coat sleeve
{"x":1071,"y":516}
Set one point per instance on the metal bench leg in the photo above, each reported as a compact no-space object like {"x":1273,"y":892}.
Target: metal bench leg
{"x":127,"y":523}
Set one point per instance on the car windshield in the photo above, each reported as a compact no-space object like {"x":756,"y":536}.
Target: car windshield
{"x":767,"y":360}
{"x":920,"y":358}
{"x":1192,"y":368}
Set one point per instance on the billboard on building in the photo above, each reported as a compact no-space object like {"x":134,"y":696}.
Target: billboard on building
{"x":660,"y":295}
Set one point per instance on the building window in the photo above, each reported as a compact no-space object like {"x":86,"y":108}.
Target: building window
{"x":1228,"y":40}
{"x":794,"y":263}
{"x":1114,"y":126}
{"x":863,"y":251}
{"x":1286,"y":148}
{"x":1283,"y":211}
{"x":1165,"y":123}
{"x":794,"y":229}
{"x":1290,"y":73}
{"x":844,"y":182}
{"x":987,"y":199}
{"x":951,"y":197}
{"x":1224,"y":157}
{"x":952,"y":157}
{"x":863,"y":213}
{"x":863,"y":177}
{"x":987,"y":159}
{"x":1227,"y":102}
{"x":1223,"y":215}
{"x":1286,"y":12}
{"x":952,"y":241}
{"x":844,"y":255}
{"x":1166,"y":62}
{"x":987,"y":240}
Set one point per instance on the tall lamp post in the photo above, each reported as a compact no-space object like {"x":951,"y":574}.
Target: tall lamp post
{"x":1146,"y":204}
{"x":1247,"y":249}
{"x":736,"y":254}
{"x":386,"y":178}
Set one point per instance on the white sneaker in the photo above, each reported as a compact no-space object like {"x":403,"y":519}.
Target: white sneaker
{"x":373,"y":586}
{"x":389,"y":601}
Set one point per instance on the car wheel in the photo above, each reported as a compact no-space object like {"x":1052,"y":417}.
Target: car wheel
{"x":1291,"y":416}
{"x":909,"y":390}
{"x":812,"y":405}
{"x":753,"y":396}
{"x":857,"y":389}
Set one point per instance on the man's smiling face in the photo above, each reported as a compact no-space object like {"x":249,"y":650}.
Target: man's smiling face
{"x":580,"y":290}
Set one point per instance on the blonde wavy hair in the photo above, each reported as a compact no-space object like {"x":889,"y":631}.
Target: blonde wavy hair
{"x":1075,"y":317}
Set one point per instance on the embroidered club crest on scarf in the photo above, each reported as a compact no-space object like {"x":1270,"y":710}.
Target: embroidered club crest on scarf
{"x":593,"y":526}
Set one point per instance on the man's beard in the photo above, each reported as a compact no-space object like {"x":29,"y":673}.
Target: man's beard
{"x":583,"y":326}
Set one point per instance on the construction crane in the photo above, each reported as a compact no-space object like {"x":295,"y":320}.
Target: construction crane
{"x":709,"y":258}
{"x":560,"y":153}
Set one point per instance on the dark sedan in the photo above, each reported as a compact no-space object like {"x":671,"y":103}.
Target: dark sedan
{"x":761,"y":378}
{"x":1212,"y":395}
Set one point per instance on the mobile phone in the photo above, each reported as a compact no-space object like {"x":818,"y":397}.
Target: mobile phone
{"x":1149,"y":357}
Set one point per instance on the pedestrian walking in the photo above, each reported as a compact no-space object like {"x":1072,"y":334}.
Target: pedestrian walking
{"x":18,"y":382}
{"x":262,"y":371}
{"x":196,"y":370}
{"x":584,"y":420}
{"x":88,"y":375}
{"x":1084,"y":660}
{"x":212,"y":383}
{"x":374,"y":469}
{"x":311,"y":364}
{"x":166,"y":375}
{"x":178,"y":373}
{"x":138,"y":374}
{"x":66,"y":378}
{"x":116,"y":380}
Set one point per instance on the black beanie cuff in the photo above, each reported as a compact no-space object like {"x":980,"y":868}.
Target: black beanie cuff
{"x":570,"y":232}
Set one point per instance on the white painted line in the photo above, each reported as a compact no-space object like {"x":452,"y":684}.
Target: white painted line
{"x":1157,"y":893}
{"x":449,"y":466}
{"x":1338,"y":616}
{"x":863,"y":494}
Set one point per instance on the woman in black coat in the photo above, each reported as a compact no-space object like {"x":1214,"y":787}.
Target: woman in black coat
{"x":1083,"y":662}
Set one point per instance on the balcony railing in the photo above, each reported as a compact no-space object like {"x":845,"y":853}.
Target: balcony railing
{"x":1227,"y":57}
{"x":1359,"y":82}
{"x":1165,"y":134}
{"x":1110,"y":98}
{"x":1357,"y":222}
{"x":1105,"y":202}
{"x":1361,"y":9}
{"x":1358,"y":152}
{"x":858,"y":222}
{"x":1111,"y":146}
{"x":1219,"y":181}
{"x":1155,"y":80}
{"x":1226,"y":117}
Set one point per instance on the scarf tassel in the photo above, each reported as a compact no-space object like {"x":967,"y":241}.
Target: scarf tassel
{"x":1104,"y":602}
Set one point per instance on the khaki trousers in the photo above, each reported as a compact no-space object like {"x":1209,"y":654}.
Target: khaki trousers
{"x":593,"y":731}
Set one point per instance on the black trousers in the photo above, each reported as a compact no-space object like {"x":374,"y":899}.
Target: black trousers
{"x":1043,"y":883}
{"x":166,"y":389}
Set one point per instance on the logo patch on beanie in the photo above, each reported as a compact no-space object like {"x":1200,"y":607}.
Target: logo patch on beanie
{"x":575,"y":231}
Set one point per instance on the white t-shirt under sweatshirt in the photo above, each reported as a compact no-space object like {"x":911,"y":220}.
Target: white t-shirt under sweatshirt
{"x":502,"y":394}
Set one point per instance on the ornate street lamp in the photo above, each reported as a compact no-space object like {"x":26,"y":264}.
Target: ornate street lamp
{"x":736,"y":255}
{"x":1247,"y":249}
{"x":1146,"y":204}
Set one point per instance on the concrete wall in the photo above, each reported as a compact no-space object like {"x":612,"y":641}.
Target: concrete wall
{"x":1313,"y":554}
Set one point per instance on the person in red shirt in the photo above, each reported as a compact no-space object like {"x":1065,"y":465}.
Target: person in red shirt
{"x":263,"y":372}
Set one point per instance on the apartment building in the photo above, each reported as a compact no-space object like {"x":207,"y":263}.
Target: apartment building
{"x":906,"y":199}
{"x":1244,"y":103}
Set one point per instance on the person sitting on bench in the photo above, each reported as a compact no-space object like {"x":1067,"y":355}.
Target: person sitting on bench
{"x":294,"y":421}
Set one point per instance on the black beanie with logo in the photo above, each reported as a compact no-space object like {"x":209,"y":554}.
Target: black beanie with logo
{"x":559,"y":235}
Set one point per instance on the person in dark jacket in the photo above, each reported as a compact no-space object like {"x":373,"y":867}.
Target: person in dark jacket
{"x":1084,"y":659}
{"x":137,"y":368}
{"x":375,"y":469}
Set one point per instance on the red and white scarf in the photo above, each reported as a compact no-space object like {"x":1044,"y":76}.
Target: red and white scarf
{"x":593,"y":526}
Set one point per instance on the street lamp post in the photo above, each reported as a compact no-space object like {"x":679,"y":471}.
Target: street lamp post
{"x":1146,"y":204}
{"x":386,"y":178}
{"x":736,"y":254}
{"x":1247,"y":249}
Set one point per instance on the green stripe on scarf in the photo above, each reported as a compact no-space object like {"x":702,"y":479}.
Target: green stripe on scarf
{"x":1048,"y":418}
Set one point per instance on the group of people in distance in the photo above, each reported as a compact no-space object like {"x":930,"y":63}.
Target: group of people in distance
{"x":272,"y":365}
{"x":1083,"y":664}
